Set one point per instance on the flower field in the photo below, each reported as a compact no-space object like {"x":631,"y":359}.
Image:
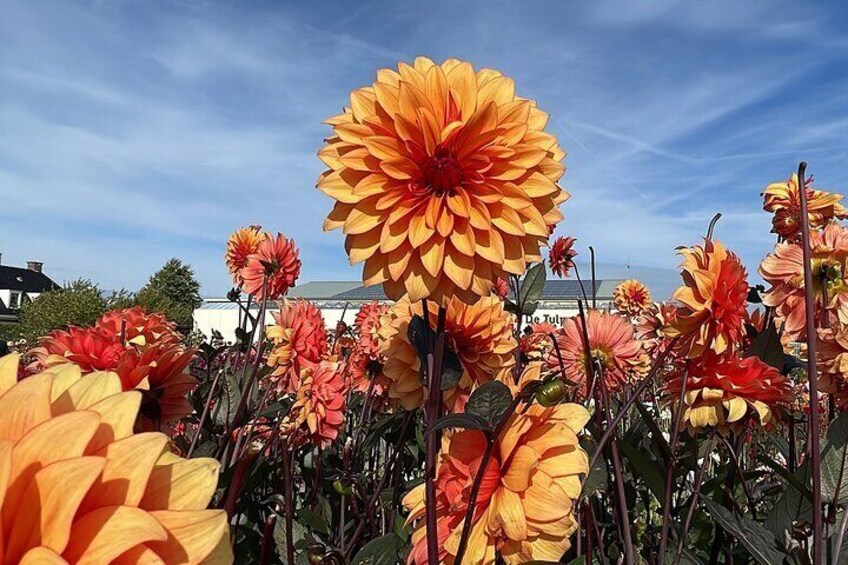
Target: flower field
{"x":441,"y":426}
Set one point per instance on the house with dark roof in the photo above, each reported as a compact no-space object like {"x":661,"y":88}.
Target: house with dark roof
{"x":340,"y":300}
{"x":19,"y":285}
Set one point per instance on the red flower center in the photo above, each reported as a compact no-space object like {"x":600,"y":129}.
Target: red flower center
{"x":442,"y":171}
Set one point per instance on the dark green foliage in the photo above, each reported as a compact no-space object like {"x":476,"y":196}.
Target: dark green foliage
{"x":172,"y":290}
{"x":78,"y":303}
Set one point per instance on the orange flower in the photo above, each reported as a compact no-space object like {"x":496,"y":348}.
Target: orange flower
{"x":275,"y":267}
{"x":713,"y":300}
{"x":611,"y":344}
{"x":160,"y":369}
{"x":243,"y":243}
{"x":368,"y":326}
{"x":784,"y":271}
{"x":78,"y":486}
{"x":650,"y":327}
{"x":833,"y":362}
{"x":524,"y":509}
{"x":632,"y":298}
{"x":500,"y":289}
{"x":561,"y":256}
{"x":317,"y":414}
{"x":139,"y":328}
{"x":479,"y":334}
{"x":299,"y":339}
{"x":538,"y":342}
{"x":783,"y":200}
{"x":443,"y":178}
{"x":724,"y":391}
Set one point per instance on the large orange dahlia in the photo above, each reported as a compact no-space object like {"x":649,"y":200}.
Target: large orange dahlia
{"x":480,"y":334}
{"x":713,"y":300}
{"x":272,"y":270}
{"x":299,"y":339}
{"x":317,"y":414}
{"x":784,"y":271}
{"x":725,"y":392}
{"x":524,"y":509}
{"x":612,"y":345}
{"x":783,"y":200}
{"x":243,"y":243}
{"x":444,"y":180}
{"x":77,"y":486}
{"x":632,"y":298}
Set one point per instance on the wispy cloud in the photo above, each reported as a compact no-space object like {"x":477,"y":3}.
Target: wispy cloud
{"x":130,"y":132}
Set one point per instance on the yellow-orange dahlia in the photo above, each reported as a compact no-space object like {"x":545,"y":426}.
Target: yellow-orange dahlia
{"x":713,"y":300}
{"x":77,"y":486}
{"x":299,"y":339}
{"x":480,"y":334}
{"x":272,"y":270}
{"x":368,"y":326}
{"x":317,"y":414}
{"x":724,"y":391}
{"x":650,"y":326}
{"x":784,"y":271}
{"x":524,"y":510}
{"x":632,"y":298}
{"x":561,"y":256}
{"x":783,"y":200}
{"x":243,"y":243}
{"x":443,"y":178}
{"x":833,"y":361}
{"x":612,"y":345}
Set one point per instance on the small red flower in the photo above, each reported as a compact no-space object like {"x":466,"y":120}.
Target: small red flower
{"x":272,"y":270}
{"x":561,"y":256}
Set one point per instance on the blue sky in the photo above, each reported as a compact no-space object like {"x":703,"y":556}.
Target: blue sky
{"x":134,"y":131}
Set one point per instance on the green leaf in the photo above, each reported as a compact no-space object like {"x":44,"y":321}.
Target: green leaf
{"x":793,"y":480}
{"x":451,"y":369}
{"x":597,"y":479}
{"x":792,"y":506}
{"x":657,"y":438}
{"x":760,"y":543}
{"x":489,"y":402}
{"x":767,"y":347}
{"x":533,"y":285}
{"x":645,"y":468}
{"x":228,"y":401}
{"x":467,"y":421}
{"x":384,"y":550}
{"x":419,"y":335}
{"x":315,"y":522}
{"x":833,"y":462}
{"x":299,"y":534}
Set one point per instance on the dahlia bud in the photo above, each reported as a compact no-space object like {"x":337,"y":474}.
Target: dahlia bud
{"x":551,"y":393}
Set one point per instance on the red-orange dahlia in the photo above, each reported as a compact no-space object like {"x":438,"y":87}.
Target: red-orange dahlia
{"x":524,"y":509}
{"x":833,"y":361}
{"x":243,"y":243}
{"x":501,"y":288}
{"x":480,"y":334}
{"x":299,"y":339}
{"x":650,"y":326}
{"x":165,"y":387}
{"x":612,"y":345}
{"x":368,"y":326}
{"x":317,"y":414}
{"x":783,"y":200}
{"x":274,"y":267}
{"x":713,"y":300}
{"x":631,"y":298}
{"x":723,"y":391}
{"x":784,"y":271}
{"x":138,"y":327}
{"x":443,"y":178}
{"x":561,"y":256}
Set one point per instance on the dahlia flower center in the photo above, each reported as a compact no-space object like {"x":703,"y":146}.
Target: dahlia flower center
{"x":600,"y":355}
{"x":441,"y":171}
{"x":828,"y":273}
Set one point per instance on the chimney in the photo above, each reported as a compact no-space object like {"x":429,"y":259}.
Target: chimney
{"x":35,"y":266}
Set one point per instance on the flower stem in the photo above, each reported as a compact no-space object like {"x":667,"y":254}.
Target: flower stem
{"x":289,"y":500}
{"x":813,"y":449}
{"x":696,"y":489}
{"x":669,"y":471}
{"x":434,"y":405}
{"x":478,"y":478}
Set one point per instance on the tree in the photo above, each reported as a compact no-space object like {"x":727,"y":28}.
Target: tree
{"x":172,"y":290}
{"x":78,"y":303}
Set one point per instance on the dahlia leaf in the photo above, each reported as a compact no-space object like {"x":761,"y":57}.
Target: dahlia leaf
{"x":532,"y":285}
{"x":384,"y":550}
{"x":467,"y":421}
{"x":489,"y":402}
{"x":760,"y":543}
{"x":767,"y":347}
{"x":834,"y":457}
{"x":645,"y":468}
{"x":451,"y":369}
